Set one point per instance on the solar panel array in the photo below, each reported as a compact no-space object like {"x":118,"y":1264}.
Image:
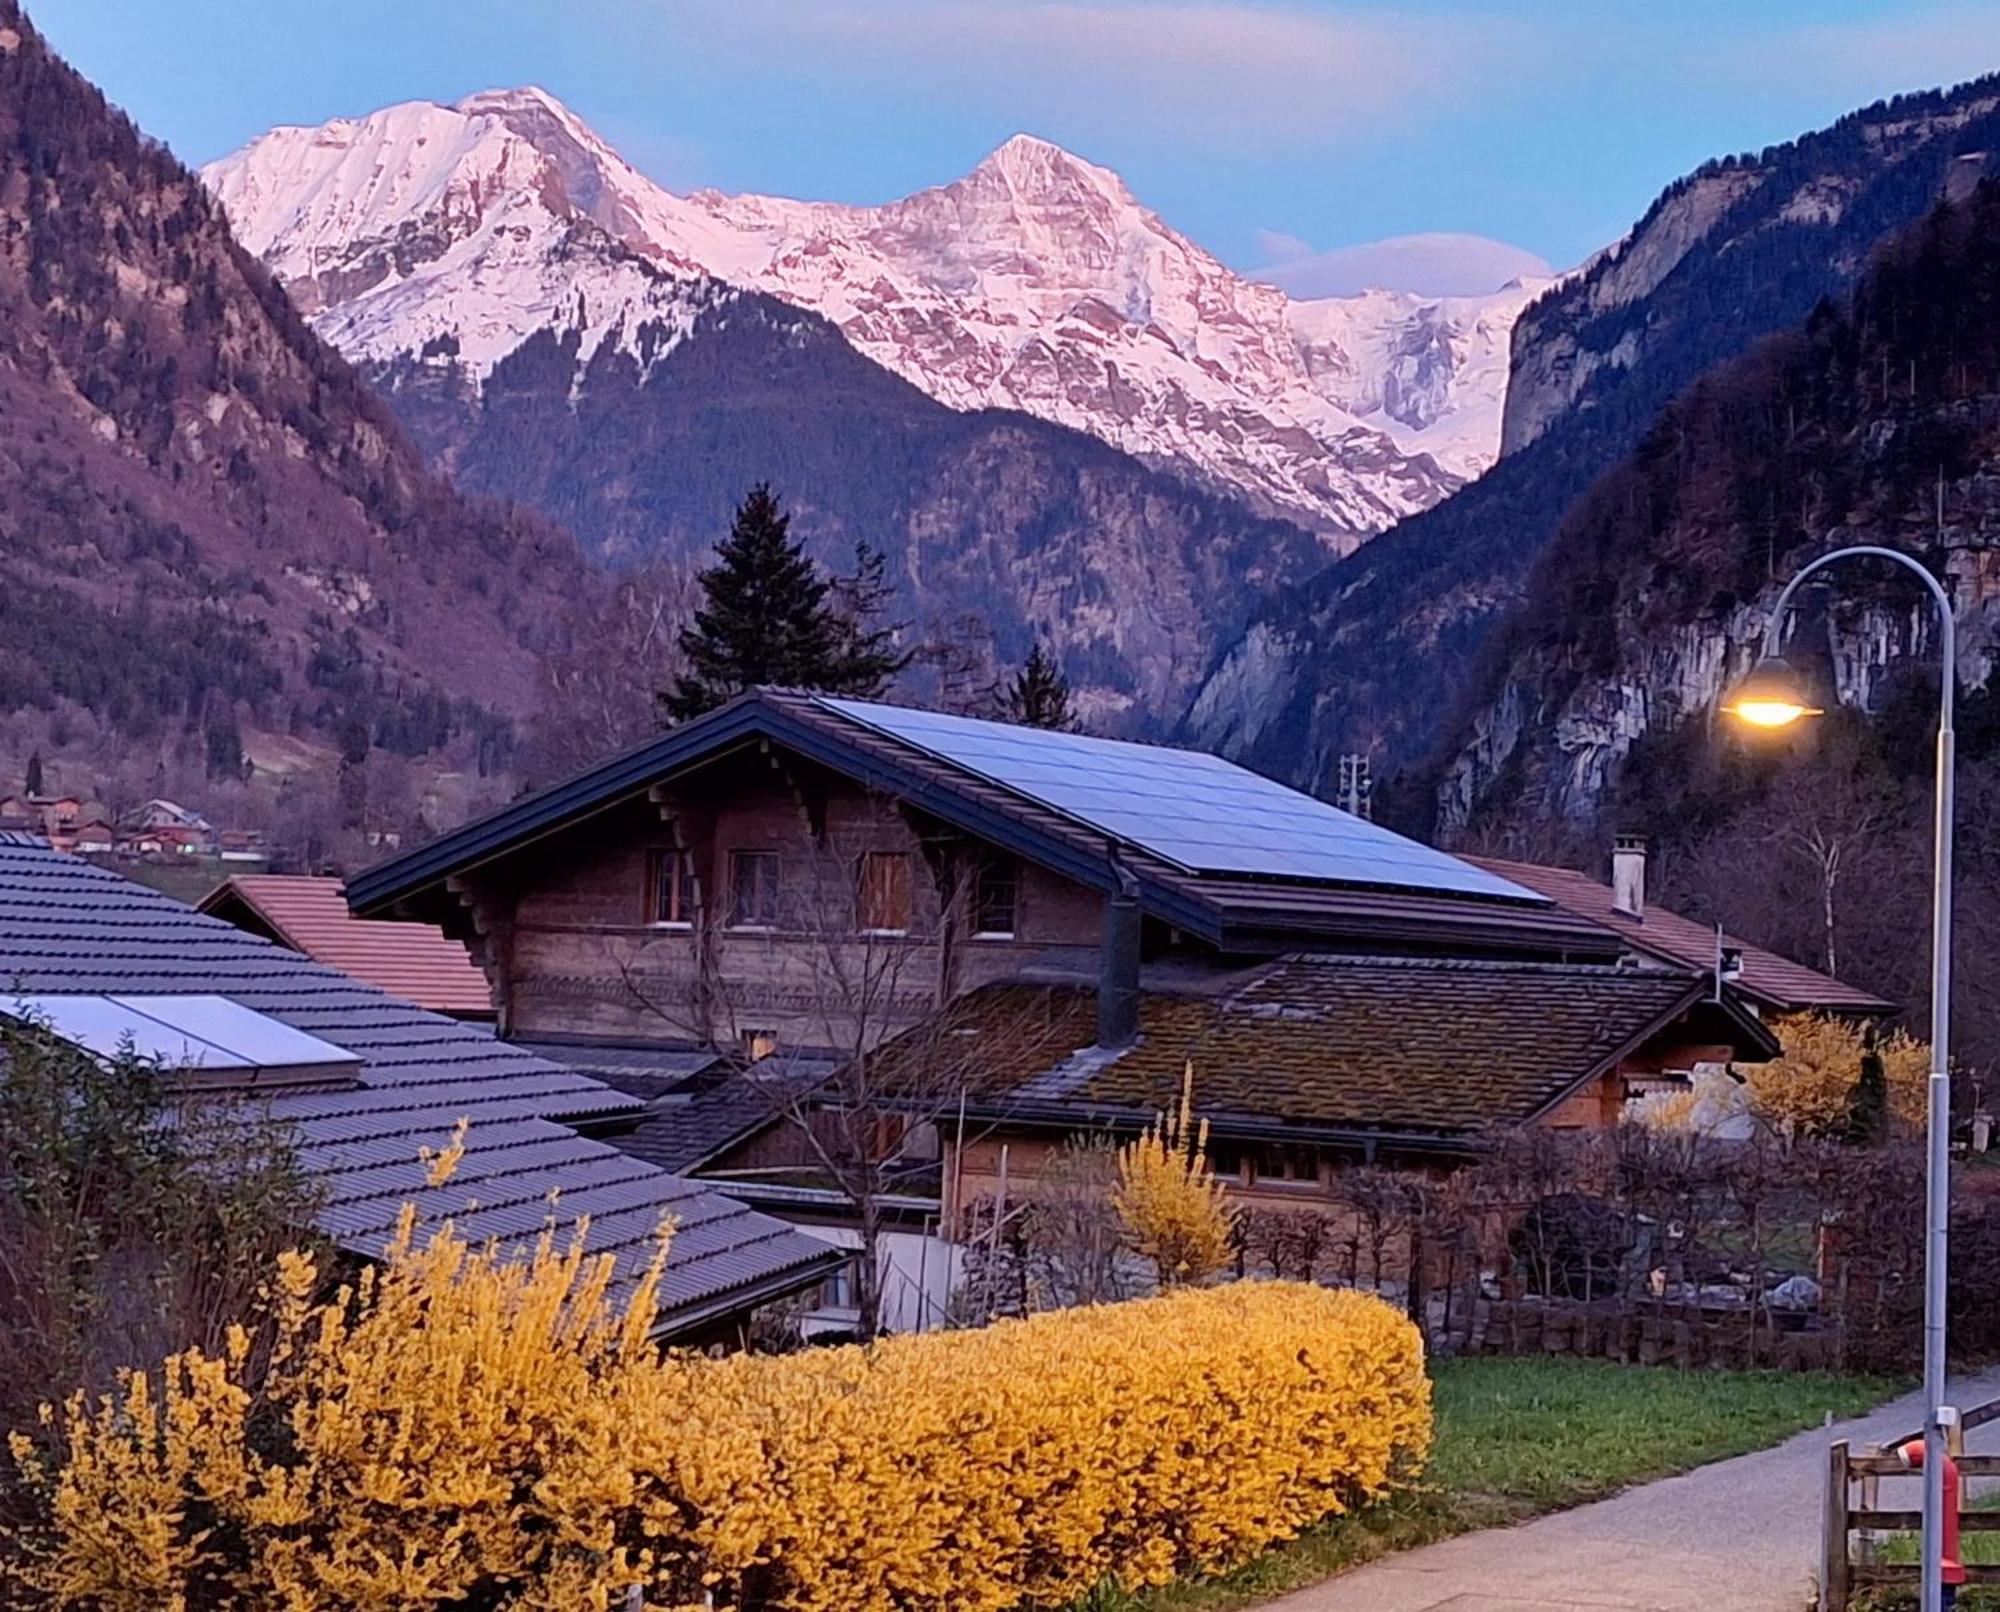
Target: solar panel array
{"x":1197,"y":811}
{"x":207,"y":1033}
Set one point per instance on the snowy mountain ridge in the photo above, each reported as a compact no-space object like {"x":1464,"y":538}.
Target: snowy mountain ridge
{"x":1038,"y":282}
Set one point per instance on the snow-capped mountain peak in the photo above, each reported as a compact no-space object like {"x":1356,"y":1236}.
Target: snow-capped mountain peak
{"x":1041,"y":173}
{"x":1036,"y":281}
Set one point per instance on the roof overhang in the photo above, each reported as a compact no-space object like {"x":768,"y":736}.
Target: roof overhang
{"x":1756,"y":1037}
{"x":693,"y":1317}
{"x":395,"y":888}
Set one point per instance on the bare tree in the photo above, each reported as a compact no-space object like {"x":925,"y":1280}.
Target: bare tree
{"x":1073,"y":1234}
{"x":835,"y":997}
{"x":612,"y":649}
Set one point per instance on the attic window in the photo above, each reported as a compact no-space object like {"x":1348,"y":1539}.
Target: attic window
{"x":210,"y":1042}
{"x":670,"y":889}
{"x":882,"y":899}
{"x":996,"y":898}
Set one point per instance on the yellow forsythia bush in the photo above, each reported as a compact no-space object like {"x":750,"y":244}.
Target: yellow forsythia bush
{"x":461,"y":1429}
{"x":1028,"y":1461}
{"x":1174,"y":1211}
{"x":1809,"y":1088}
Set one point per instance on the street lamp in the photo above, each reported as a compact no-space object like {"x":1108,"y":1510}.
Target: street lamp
{"x":1771,"y":697}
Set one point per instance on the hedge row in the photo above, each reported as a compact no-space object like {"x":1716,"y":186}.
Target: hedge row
{"x":1028,"y":1461}
{"x":464,"y":1431}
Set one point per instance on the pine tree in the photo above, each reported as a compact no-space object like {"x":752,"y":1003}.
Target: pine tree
{"x":770,"y":617}
{"x":34,"y":779}
{"x":1039,"y":695}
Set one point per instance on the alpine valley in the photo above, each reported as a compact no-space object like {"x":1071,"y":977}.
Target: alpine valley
{"x":1054,"y":416}
{"x":1390,"y":651}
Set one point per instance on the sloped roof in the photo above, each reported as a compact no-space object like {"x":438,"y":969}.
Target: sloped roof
{"x":1227,"y":909}
{"x":67,"y":926}
{"x":1681,"y":942}
{"x":1330,"y":1047}
{"x":417,"y":962}
{"x":700,"y":1103}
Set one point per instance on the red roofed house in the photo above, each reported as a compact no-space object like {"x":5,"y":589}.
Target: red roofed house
{"x":1770,"y":983}
{"x":416,"y":962}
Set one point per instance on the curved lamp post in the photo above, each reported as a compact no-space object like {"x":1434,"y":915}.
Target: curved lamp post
{"x":1772,"y":697}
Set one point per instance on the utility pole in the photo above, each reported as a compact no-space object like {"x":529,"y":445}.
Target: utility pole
{"x":1356,"y":787}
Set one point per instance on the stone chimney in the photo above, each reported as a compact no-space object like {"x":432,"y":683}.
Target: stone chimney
{"x":1628,"y":875}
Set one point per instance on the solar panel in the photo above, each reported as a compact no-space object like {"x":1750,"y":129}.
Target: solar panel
{"x":210,"y":1038}
{"x":1197,"y":811}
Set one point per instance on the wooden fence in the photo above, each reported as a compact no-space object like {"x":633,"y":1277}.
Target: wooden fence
{"x":1856,"y":1519}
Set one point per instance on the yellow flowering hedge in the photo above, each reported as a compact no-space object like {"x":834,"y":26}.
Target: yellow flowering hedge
{"x":464,"y":1429}
{"x":1027,"y":1461}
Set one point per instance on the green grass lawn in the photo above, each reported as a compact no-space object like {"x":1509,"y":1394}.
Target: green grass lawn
{"x":1518,"y":1437}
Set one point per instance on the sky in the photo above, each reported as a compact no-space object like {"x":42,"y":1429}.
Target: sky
{"x":1272,"y":131}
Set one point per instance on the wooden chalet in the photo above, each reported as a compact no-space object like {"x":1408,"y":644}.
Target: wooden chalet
{"x":703,"y":887}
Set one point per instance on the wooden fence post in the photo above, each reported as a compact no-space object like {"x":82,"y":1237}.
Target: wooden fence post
{"x":1834,"y":1577}
{"x":1871,"y":1500}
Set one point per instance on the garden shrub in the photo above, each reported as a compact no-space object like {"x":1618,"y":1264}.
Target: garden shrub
{"x":465,"y":1430}
{"x":1026,"y":1462}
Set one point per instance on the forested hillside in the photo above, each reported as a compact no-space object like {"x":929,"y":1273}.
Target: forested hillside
{"x":215,"y":541}
{"x":999,"y":530}
{"x":1877,"y":421}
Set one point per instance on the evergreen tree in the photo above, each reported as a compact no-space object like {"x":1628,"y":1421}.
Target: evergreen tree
{"x":1868,"y":1107}
{"x":861,"y":598}
{"x":770,"y":617}
{"x":1039,"y":695}
{"x":34,"y":780}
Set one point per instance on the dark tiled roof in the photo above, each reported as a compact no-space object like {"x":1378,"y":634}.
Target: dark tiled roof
{"x":1683,"y":943}
{"x":638,"y":1071}
{"x":68,"y":926}
{"x":686,"y":1133}
{"x":417,"y":962}
{"x":700,"y":1104}
{"x":1226,"y":910}
{"x":1338,"y":1045}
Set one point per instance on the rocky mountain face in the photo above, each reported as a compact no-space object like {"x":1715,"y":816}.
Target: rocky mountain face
{"x":1878,"y":421}
{"x":1037,"y":283}
{"x":209,"y":526}
{"x":1387,"y":650}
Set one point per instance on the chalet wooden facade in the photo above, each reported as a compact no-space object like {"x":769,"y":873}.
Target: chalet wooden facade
{"x":785,"y":872}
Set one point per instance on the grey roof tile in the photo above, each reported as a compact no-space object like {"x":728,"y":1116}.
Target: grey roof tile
{"x":69,"y":926}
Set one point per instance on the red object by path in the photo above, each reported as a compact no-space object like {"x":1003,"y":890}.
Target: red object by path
{"x":1954,"y":1498}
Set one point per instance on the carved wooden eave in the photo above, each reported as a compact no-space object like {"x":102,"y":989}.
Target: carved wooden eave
{"x":486,"y":927}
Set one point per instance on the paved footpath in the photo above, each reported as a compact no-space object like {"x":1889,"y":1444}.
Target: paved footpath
{"x":1739,"y":1536}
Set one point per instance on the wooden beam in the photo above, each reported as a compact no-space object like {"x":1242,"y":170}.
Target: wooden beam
{"x":1834,"y":1574}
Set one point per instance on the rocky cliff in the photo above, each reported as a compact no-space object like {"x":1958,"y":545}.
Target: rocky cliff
{"x":1382,"y":654}
{"x":1878,"y":421}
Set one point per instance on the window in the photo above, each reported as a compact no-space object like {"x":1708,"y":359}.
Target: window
{"x":753,"y":878}
{"x":839,"y":1290}
{"x":882,"y":894}
{"x":1289,"y":1167}
{"x":996,"y":898}
{"x":670,"y":891}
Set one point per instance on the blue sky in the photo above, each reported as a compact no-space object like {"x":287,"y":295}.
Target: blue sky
{"x":1549,"y":125}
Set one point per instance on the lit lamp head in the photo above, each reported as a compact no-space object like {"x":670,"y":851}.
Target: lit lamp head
{"x":1772,"y":696}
